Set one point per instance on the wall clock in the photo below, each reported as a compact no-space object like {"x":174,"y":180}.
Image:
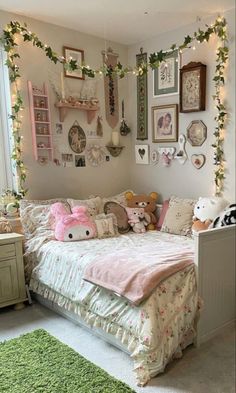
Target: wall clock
{"x":192,"y":87}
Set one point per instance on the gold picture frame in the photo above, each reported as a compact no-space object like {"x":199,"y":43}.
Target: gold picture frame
{"x":165,"y":123}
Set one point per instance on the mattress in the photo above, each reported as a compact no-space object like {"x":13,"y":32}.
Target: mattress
{"x":155,"y":331}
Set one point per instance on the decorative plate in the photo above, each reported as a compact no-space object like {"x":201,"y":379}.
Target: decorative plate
{"x":95,"y":155}
{"x":198,"y":160}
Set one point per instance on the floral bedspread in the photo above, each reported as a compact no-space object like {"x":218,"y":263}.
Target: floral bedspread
{"x":155,"y":331}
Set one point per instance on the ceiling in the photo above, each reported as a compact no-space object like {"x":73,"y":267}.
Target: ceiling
{"x":123,"y":21}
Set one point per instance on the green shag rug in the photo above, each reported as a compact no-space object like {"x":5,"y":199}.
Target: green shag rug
{"x":38,"y":363}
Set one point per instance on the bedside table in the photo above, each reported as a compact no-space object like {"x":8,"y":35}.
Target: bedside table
{"x":12,"y":280}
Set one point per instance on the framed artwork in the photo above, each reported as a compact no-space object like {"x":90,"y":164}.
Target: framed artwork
{"x":166,"y":76}
{"x":76,"y":54}
{"x":193,"y":87}
{"x":165,"y":123}
{"x":196,"y":133}
{"x":142,"y":100}
{"x":142,"y":154}
{"x":77,"y":138}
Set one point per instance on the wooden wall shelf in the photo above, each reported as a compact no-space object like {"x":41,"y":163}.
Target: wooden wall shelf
{"x":40,"y":122}
{"x":64,"y":107}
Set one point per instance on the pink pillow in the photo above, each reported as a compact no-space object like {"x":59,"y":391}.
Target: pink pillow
{"x":164,"y":209}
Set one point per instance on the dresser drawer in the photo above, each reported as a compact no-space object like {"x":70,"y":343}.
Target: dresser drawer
{"x":7,"y":251}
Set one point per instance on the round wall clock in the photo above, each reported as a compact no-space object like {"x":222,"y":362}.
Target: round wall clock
{"x":192,"y":87}
{"x":77,"y":138}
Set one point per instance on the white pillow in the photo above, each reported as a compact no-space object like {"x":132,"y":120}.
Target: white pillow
{"x":93,"y":204}
{"x":179,"y":216}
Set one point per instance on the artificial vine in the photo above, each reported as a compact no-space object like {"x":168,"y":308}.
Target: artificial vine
{"x":14,"y":29}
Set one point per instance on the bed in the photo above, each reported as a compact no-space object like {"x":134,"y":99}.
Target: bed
{"x":157,"y":330}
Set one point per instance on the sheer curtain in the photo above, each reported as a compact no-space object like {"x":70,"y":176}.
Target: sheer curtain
{"x":7,"y":171}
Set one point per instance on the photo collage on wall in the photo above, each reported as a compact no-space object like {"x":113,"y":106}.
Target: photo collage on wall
{"x":184,"y":88}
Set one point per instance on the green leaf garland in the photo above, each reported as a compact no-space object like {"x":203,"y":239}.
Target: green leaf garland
{"x":14,"y":29}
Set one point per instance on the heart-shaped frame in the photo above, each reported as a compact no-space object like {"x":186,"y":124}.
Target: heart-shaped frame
{"x":198,"y":160}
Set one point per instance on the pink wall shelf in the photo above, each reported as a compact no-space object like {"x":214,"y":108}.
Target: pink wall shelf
{"x":40,"y":122}
{"x":63,"y":108}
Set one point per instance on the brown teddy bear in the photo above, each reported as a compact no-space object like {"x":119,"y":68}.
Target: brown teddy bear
{"x":148,"y":202}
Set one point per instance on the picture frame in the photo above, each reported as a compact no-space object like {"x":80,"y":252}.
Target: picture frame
{"x":76,"y":54}
{"x":166,"y":76}
{"x":142,"y":154}
{"x":77,"y":138}
{"x":196,"y":133}
{"x":165,"y":123}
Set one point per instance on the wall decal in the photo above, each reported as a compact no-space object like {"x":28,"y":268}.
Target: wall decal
{"x":196,"y":133}
{"x":181,"y":155}
{"x":142,"y":154}
{"x":165,"y":123}
{"x":142,"y":98}
{"x":198,"y":160}
{"x":111,"y":88}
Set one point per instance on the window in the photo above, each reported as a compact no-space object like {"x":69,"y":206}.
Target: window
{"x":6,"y":168}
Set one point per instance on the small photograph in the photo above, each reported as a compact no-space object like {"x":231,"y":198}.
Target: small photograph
{"x":80,"y":161}
{"x":107,"y":158}
{"x":59,"y":128}
{"x":67,"y":160}
{"x":142,"y":154}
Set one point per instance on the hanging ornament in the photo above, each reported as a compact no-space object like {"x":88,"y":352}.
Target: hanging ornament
{"x":124,"y":128}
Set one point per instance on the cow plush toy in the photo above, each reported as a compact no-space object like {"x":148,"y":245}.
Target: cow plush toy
{"x":227,"y":217}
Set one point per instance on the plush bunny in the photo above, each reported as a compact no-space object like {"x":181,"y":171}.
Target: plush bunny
{"x":75,"y":226}
{"x":138,"y":219}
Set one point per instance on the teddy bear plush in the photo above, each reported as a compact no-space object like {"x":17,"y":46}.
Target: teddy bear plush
{"x":75,"y":226}
{"x":137,"y":218}
{"x":147,"y":202}
{"x":205,"y":211}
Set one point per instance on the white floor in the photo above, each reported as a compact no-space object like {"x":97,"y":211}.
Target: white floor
{"x":209,"y":369}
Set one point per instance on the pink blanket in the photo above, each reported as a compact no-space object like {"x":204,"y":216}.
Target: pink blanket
{"x":135,"y":273}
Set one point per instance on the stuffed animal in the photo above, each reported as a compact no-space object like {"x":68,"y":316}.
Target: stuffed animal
{"x":75,"y":226}
{"x":137,"y":218}
{"x":147,"y":202}
{"x":227,"y":217}
{"x":205,"y":211}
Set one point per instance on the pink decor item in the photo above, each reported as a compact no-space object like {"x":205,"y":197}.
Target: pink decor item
{"x":137,"y":218}
{"x":75,"y":226}
{"x":164,"y":209}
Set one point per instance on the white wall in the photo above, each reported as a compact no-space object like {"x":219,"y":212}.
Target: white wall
{"x":185,"y":180}
{"x":50,"y":180}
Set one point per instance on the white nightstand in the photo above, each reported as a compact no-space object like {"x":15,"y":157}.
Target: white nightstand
{"x":12,"y":280}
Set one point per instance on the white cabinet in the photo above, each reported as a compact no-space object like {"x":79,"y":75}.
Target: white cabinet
{"x":12,"y":280}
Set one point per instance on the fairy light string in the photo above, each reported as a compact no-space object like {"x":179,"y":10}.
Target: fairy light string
{"x":10,"y":43}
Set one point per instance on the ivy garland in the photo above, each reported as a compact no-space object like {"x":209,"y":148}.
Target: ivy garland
{"x":14,"y":29}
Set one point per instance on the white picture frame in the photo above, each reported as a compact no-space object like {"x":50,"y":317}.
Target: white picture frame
{"x":142,"y":154}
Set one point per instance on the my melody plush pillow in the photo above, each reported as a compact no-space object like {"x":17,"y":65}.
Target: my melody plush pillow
{"x":93,"y":204}
{"x":179,"y":216}
{"x":36,"y":217}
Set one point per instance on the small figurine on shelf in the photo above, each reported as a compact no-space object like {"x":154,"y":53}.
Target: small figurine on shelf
{"x":38,"y":116}
{"x":42,"y":103}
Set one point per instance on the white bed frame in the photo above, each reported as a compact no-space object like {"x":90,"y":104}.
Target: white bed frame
{"x":215,"y":261}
